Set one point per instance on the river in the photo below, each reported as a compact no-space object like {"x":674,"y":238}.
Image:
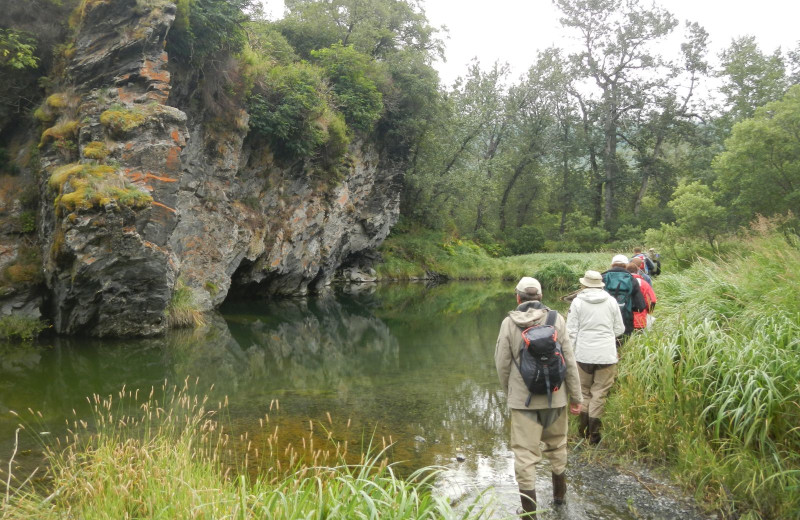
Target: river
{"x":402,"y":364}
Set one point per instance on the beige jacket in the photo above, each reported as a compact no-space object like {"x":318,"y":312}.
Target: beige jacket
{"x":511,"y":380}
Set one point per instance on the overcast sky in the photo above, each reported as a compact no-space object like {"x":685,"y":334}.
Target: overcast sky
{"x":514,"y":30}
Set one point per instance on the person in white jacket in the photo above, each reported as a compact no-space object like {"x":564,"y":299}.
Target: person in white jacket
{"x":593,"y":324}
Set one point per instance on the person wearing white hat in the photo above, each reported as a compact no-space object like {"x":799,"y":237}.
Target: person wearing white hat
{"x":620,"y":284}
{"x":538,"y":422}
{"x":594,"y":322}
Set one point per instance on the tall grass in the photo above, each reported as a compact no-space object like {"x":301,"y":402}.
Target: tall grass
{"x":171,"y":457}
{"x":713,"y":388}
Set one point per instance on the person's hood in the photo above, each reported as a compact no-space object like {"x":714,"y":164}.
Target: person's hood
{"x":593,"y":295}
{"x":527,"y":315}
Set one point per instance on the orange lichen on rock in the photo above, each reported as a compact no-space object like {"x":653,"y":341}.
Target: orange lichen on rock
{"x":174,"y":158}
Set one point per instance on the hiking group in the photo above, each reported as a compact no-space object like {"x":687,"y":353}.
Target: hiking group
{"x":546,"y":363}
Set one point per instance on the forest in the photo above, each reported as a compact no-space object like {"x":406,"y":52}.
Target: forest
{"x":610,"y":143}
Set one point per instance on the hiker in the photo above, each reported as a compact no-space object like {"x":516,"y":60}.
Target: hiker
{"x":648,"y":267}
{"x":640,"y":318}
{"x":593,"y":323}
{"x":536,"y":418}
{"x":656,"y":259}
{"x":639,"y":263}
{"x":621,"y":285}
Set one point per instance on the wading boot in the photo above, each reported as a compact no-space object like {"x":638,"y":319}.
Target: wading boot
{"x":583,"y":425}
{"x":594,"y":430}
{"x":559,"y":488}
{"x":528,"y":499}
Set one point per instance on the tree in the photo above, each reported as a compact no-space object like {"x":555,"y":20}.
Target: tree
{"x":752,"y":78}
{"x":617,"y":58}
{"x":377,"y":28}
{"x":17,"y":50}
{"x":760,"y":167}
{"x":696,"y":212}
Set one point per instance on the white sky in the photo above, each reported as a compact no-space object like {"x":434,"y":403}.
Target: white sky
{"x":514,"y":30}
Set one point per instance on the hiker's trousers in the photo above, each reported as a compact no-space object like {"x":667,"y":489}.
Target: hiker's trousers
{"x":530,"y":441}
{"x":596,"y":381}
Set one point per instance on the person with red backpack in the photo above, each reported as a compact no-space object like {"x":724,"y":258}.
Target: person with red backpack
{"x":623,"y":287}
{"x":538,"y":418}
{"x":640,"y":317}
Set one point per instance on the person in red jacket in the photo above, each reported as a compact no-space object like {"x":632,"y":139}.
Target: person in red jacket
{"x":640,"y":317}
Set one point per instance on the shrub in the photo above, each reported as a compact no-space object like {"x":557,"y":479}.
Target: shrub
{"x":525,"y":240}
{"x":206,"y":27}
{"x":355,"y":93}
{"x":20,"y":328}
{"x":588,"y":238}
{"x":294,"y":114}
{"x":558,"y":275}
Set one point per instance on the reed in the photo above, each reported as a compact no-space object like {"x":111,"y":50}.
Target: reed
{"x":168,"y":455}
{"x":712,"y":389}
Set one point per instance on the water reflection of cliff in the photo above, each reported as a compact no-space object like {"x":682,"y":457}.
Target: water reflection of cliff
{"x":292,"y":345}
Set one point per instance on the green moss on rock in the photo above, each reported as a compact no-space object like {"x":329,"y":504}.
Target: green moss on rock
{"x":95,"y":150}
{"x":94,"y":185}
{"x":121,"y":120}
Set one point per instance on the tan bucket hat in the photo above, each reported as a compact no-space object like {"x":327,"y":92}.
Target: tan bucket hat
{"x":592,"y":279}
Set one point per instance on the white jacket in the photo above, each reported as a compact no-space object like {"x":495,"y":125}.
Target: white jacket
{"x":593,"y":323}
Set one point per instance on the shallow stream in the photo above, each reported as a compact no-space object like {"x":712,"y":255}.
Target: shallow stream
{"x":405,"y":365}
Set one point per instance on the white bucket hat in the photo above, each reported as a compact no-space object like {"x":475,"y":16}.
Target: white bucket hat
{"x":592,"y":279}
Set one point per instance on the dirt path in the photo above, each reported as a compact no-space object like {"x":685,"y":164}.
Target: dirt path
{"x":596,"y":491}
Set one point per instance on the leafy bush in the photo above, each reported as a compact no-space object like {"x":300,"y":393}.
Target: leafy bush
{"x":558,"y":275}
{"x":355,"y":93}
{"x":588,"y":238}
{"x":205,"y":27}
{"x":525,"y":240}
{"x":20,"y":328}
{"x":294,"y":114}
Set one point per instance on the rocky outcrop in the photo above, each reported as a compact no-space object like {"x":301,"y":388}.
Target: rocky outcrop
{"x":139,"y":197}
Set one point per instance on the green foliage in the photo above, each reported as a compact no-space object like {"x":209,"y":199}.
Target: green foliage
{"x":293,"y":113}
{"x":355,"y":93}
{"x":207,"y":27}
{"x":558,"y":275}
{"x":17,"y":50}
{"x":589,"y":238}
{"x":696,"y":212}
{"x":183,"y":309}
{"x":20,"y":328}
{"x":759,"y":171}
{"x":525,"y":240}
{"x":713,"y":386}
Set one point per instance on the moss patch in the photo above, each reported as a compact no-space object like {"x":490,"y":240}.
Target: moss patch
{"x":95,"y":150}
{"x":61,"y":131}
{"x":121,"y":120}
{"x":94,"y":185}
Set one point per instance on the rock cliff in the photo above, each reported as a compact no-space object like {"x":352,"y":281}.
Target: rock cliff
{"x":140,"y":197}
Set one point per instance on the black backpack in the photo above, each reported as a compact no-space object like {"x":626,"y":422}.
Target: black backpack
{"x":541,"y":361}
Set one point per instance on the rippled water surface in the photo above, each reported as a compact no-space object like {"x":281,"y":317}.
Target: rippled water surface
{"x":404,"y":364}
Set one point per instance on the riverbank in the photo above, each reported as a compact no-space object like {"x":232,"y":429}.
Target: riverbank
{"x":711,"y":391}
{"x":431,"y":254}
